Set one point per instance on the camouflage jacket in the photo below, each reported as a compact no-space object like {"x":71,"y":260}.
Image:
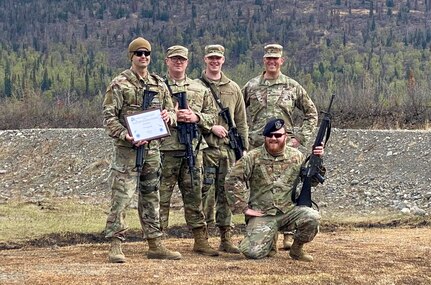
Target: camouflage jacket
{"x":124,"y":96}
{"x":200,"y":101}
{"x":277,"y":98}
{"x":269,"y":179}
{"x":230,"y":96}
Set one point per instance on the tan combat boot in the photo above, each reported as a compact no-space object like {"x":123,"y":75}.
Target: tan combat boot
{"x":287,"y":244}
{"x":226,"y":244}
{"x":274,"y":248}
{"x":156,"y":250}
{"x":201,"y":244}
{"x":116,"y":255}
{"x":296,"y":252}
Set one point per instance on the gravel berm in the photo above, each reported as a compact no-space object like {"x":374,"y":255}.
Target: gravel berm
{"x":368,"y":171}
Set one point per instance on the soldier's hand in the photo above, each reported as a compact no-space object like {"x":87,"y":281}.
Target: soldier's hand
{"x":253,"y":213}
{"x":319,"y":150}
{"x":130,"y":139}
{"x":186,"y":116}
{"x":165,"y":116}
{"x":138,"y":144}
{"x":219,"y":131}
{"x":294,"y":142}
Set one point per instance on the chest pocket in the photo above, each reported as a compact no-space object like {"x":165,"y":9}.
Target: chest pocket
{"x":228,"y":98}
{"x":256,"y":102}
{"x":195,"y":98}
{"x":287,"y":98}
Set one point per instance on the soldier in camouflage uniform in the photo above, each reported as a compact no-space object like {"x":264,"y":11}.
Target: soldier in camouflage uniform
{"x":219,"y":157}
{"x":275,"y":95}
{"x":260,"y":186}
{"x":124,"y":96}
{"x":175,"y":167}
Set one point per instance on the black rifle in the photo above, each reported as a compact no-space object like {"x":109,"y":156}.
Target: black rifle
{"x":235,"y":140}
{"x":140,"y":151}
{"x":314,"y":163}
{"x":186,"y":133}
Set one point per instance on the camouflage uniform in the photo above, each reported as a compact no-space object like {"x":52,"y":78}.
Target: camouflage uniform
{"x":175,"y":168}
{"x":277,"y":99}
{"x":123,"y":97}
{"x":270,"y":182}
{"x":219,"y":157}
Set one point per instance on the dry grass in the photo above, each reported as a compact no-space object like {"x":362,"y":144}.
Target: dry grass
{"x":348,"y":251}
{"x":372,"y":256}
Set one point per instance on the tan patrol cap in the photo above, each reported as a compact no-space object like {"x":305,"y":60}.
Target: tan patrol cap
{"x":273,"y":50}
{"x":214,"y":50}
{"x":137,"y":44}
{"x":177,"y":51}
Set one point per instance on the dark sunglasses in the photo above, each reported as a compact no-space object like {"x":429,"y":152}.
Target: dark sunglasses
{"x":139,"y":53}
{"x":276,"y":135}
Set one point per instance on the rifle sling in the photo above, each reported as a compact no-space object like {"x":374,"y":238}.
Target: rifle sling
{"x":213,"y":92}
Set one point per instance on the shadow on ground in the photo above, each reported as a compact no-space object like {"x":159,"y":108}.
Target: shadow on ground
{"x":68,"y":238}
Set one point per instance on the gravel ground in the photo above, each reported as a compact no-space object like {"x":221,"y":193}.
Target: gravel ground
{"x":368,"y":171}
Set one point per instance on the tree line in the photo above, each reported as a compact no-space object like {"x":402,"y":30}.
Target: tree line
{"x":56,"y":59}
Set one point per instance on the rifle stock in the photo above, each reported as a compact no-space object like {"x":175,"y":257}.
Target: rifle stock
{"x":311,"y":172}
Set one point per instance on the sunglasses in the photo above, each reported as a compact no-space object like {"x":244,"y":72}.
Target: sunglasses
{"x":139,"y":53}
{"x":276,"y":135}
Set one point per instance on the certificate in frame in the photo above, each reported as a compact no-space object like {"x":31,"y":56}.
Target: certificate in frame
{"x":147,"y":125}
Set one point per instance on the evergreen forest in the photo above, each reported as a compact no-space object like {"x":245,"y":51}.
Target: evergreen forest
{"x":58,"y":56}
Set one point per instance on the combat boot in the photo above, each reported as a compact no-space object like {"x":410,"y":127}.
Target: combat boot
{"x":287,"y":244}
{"x":201,"y":244}
{"x":226,"y":244}
{"x":116,"y":255}
{"x":156,"y":250}
{"x":296,"y":252}
{"x":274,"y":249}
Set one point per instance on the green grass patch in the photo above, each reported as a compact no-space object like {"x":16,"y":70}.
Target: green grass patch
{"x":26,"y":221}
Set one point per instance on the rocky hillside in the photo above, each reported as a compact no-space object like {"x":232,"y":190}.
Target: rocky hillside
{"x":367,"y":171}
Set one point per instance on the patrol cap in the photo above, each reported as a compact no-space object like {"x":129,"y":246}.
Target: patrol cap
{"x":273,"y":50}
{"x":214,"y":50}
{"x":137,"y":44}
{"x":177,"y":51}
{"x":272,"y":125}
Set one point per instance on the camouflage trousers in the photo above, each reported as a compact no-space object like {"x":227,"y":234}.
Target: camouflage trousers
{"x":260,"y":231}
{"x":176,"y":170}
{"x":217,"y":163}
{"x":123,"y":181}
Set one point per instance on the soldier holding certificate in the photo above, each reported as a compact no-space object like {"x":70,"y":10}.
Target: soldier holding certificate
{"x":125,"y":96}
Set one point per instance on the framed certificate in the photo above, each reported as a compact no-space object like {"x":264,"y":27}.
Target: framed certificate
{"x":147,"y":125}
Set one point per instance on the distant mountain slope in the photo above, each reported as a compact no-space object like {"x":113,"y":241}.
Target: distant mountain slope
{"x":378,"y":50}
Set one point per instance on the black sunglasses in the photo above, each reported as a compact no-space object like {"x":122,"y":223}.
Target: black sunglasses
{"x":276,"y":135}
{"x":139,"y":53}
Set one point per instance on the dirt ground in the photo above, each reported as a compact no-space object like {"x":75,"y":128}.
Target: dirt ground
{"x":353,"y":256}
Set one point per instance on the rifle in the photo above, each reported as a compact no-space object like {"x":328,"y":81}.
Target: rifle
{"x":140,"y":151}
{"x":235,"y":140}
{"x":311,"y":172}
{"x":186,"y":133}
